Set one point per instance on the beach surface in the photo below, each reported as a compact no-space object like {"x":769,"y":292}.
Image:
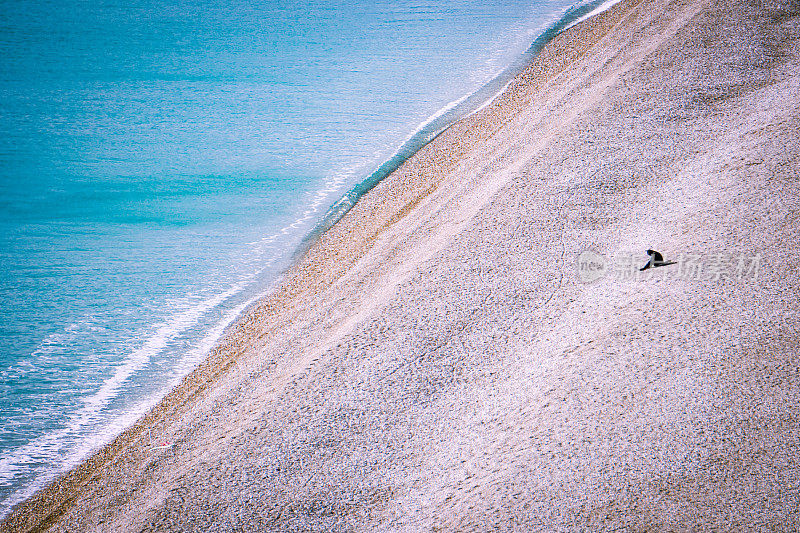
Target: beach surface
{"x":441,"y":360}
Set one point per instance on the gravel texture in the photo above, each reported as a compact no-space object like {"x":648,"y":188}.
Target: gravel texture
{"x":435,"y":363}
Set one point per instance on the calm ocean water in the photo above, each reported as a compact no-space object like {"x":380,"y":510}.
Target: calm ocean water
{"x":161,"y":161}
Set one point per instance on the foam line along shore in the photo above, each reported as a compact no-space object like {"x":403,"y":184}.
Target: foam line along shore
{"x":436,"y":361}
{"x":154,"y":191}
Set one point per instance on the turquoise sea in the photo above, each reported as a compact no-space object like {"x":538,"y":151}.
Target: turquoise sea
{"x":161,"y":161}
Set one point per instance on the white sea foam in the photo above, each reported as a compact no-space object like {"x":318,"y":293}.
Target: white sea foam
{"x":602,"y":7}
{"x":447,"y":107}
{"x":64,"y":448}
{"x":55,"y":448}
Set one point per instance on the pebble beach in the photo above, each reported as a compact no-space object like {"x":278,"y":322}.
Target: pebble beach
{"x":473,"y":347}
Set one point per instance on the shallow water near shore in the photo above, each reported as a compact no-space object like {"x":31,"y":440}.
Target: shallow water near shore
{"x":160,"y":164}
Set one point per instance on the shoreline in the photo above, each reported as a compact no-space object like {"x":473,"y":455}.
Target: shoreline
{"x":424,"y":134}
{"x":218,"y":361}
{"x":510,"y":189}
{"x":452,"y":113}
